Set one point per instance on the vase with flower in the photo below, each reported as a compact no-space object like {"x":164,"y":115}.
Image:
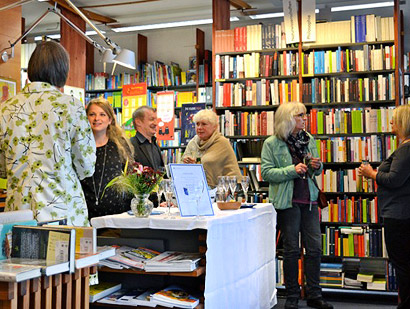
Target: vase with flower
{"x":140,"y":181}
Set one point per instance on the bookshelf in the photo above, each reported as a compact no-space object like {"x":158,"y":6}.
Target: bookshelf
{"x":341,"y":82}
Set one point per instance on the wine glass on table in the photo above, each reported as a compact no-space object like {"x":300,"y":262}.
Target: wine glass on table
{"x":245,"y":186}
{"x":169,"y":191}
{"x":197,"y":191}
{"x":226,"y":186}
{"x":160,"y":191}
{"x":232,"y":185}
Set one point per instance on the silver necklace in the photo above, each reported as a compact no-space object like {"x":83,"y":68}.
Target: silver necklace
{"x":97,"y":194}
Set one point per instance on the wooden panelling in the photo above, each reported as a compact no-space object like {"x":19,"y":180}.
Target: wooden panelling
{"x":75,"y":45}
{"x":10,"y":30}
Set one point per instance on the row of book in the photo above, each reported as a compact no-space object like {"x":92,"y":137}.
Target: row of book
{"x":256,"y":93}
{"x":284,"y":63}
{"x":369,"y":58}
{"x":356,"y":149}
{"x":339,"y":90}
{"x":351,"y":210}
{"x":246,"y":123}
{"x":251,"y":37}
{"x":350,"y":120}
{"x":346,"y":180}
{"x":114,"y":294}
{"x":172,"y":155}
{"x":357,"y":241}
{"x":152,"y":261}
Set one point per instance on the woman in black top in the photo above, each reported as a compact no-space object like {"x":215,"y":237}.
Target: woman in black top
{"x":393,"y":180}
{"x":113,"y":150}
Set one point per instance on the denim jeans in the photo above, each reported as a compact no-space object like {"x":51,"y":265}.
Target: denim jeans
{"x":305,"y":219}
{"x":397,"y":236}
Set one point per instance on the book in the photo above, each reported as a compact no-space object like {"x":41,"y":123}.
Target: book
{"x":86,"y":259}
{"x":17,"y":273}
{"x":16,"y":216}
{"x":112,"y":298}
{"x":6,"y":236}
{"x":137,"y":297}
{"x":44,"y":243}
{"x":105,"y":251}
{"x":174,"y":296}
{"x":173,"y":261}
{"x":103,"y":289}
{"x":364,"y":277}
{"x":85,"y":237}
{"x":47,"y":268}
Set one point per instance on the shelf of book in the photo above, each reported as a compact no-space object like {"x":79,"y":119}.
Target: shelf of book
{"x":268,"y":50}
{"x":195,"y":273}
{"x":227,"y":80}
{"x":98,"y":305}
{"x":351,"y":104}
{"x":307,"y":46}
{"x":373,"y":72}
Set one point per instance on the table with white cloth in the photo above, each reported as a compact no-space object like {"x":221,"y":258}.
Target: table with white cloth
{"x":240,"y":256}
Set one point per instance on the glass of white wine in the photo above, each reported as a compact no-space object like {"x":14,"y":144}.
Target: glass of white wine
{"x":169,"y":192}
{"x":245,"y":186}
{"x":232,"y":185}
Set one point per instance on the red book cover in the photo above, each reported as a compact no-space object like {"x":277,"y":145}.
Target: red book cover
{"x":237,"y":39}
{"x":264,"y":123}
{"x":248,"y":85}
{"x":337,"y":243}
{"x":244,"y":37}
{"x":356,"y":245}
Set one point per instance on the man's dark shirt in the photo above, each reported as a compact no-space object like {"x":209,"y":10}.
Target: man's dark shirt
{"x":146,"y":153}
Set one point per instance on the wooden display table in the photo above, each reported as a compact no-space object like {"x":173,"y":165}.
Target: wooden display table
{"x":57,"y":291}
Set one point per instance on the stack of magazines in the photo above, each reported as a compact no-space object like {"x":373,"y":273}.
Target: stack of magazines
{"x":128,"y":257}
{"x":174,"y":296}
{"x":173,"y":261}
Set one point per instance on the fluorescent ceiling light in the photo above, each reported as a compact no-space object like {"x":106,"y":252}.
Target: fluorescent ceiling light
{"x":164,"y":25}
{"x":272,"y":15}
{"x":51,"y":36}
{"x":362,"y":6}
{"x":234,"y":18}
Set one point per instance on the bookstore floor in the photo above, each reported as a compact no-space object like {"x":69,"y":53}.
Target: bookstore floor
{"x":348,"y":301}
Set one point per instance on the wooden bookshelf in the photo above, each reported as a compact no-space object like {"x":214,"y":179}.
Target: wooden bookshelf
{"x":195,"y":273}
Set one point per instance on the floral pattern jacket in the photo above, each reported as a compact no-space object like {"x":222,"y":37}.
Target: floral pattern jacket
{"x":46,"y":147}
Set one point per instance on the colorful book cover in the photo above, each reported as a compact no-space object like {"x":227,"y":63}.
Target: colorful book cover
{"x":166,"y":116}
{"x":6,"y":236}
{"x":187,"y":124}
{"x":133,"y":96}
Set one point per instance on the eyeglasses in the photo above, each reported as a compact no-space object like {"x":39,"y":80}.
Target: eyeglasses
{"x":301,"y":115}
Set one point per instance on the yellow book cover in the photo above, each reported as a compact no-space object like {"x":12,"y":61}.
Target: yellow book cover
{"x":58,"y":247}
{"x":183,"y":78}
{"x":185,"y":97}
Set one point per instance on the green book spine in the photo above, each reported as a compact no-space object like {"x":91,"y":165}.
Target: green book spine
{"x":347,"y":60}
{"x":379,"y":120}
{"x":320,"y":122}
{"x":364,"y":210}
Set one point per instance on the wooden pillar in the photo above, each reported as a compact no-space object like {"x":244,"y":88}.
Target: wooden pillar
{"x":142,"y":51}
{"x":221,"y":21}
{"x":89,"y":57}
{"x":10,"y":30}
{"x":75,"y":46}
{"x":200,"y":52}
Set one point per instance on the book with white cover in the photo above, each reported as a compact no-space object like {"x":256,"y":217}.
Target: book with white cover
{"x":174,"y":296}
{"x":17,"y":273}
{"x":105,"y":252}
{"x":173,"y":261}
{"x":137,"y":298}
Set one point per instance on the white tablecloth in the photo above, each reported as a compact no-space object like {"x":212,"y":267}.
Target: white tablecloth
{"x":240,"y":257}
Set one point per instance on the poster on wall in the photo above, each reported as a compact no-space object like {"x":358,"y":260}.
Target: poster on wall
{"x":75,"y":92}
{"x":133,"y":96}
{"x":7,"y":89}
{"x":165,"y":115}
{"x":187,"y":123}
{"x":308,"y":20}
{"x":290,"y":9}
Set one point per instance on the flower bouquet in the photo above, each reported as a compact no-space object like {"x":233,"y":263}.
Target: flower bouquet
{"x":140,"y":181}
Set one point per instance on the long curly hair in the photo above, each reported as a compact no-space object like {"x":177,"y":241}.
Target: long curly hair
{"x":114,"y":132}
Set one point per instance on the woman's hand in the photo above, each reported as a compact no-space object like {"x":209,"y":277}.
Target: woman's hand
{"x":301,"y":168}
{"x":189,"y":160}
{"x":367,"y":171}
{"x":315,"y":163}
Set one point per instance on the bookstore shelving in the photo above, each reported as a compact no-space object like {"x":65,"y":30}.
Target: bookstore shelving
{"x":349,"y":83}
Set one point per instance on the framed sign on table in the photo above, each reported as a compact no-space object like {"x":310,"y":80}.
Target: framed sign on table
{"x":7,"y":88}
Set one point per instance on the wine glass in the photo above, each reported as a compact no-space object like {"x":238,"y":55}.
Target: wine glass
{"x":245,"y":186}
{"x":219,"y":196}
{"x":197,"y":191}
{"x":306,"y":161}
{"x":168,"y":190}
{"x":160,"y":191}
{"x":232,"y":185}
{"x":226,"y":186}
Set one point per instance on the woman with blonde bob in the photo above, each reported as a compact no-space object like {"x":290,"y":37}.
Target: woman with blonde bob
{"x":294,"y":196}
{"x":212,"y":149}
{"x":113,"y":151}
{"x":393,"y":183}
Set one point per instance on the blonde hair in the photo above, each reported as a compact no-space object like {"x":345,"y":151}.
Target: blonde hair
{"x":284,"y":118}
{"x":114,"y":132}
{"x":401,"y":117}
{"x":207,"y":115}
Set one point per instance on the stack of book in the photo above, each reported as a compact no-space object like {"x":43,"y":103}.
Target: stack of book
{"x":128,"y":257}
{"x":173,"y":261}
{"x":331,"y":275}
{"x":124,"y":297}
{"x":174,"y":296}
{"x":102,"y":290}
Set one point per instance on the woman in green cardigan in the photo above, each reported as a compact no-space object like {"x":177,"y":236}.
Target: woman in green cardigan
{"x":289,"y":160}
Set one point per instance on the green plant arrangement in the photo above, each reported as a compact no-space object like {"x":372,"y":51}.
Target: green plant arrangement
{"x":140,"y":181}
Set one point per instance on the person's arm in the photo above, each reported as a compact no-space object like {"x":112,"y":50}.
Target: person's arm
{"x":83,"y":149}
{"x":273,"y":173}
{"x":399,"y":170}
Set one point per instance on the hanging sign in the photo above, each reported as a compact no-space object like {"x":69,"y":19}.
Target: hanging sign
{"x":165,"y":114}
{"x":308,"y":20}
{"x":290,"y":9}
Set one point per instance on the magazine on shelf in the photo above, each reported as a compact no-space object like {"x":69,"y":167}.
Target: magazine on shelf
{"x":112,"y":298}
{"x":173,"y":261}
{"x":174,"y":296}
{"x":102,"y":290}
{"x":138,"y":297}
{"x":120,"y":257}
{"x":17,"y":273}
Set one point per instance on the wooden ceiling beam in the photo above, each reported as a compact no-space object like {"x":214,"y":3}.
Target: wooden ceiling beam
{"x":90,"y":15}
{"x":240,"y":4}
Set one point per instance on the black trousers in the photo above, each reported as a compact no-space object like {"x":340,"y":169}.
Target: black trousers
{"x":397,"y":236}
